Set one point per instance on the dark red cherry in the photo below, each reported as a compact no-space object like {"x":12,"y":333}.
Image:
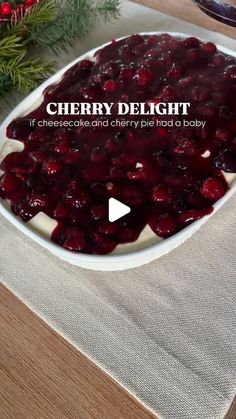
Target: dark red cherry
{"x":191,"y":42}
{"x":62,"y":211}
{"x":38,"y":156}
{"x":127,"y":73}
{"x":98,"y":155}
{"x":128,"y":234}
{"x":217,"y":61}
{"x":8,"y":184}
{"x":52,"y":166}
{"x":208,"y":109}
{"x":110,"y":86}
{"x":143,"y":76}
{"x":230,"y":73}
{"x":164,"y":226}
{"x":175,"y":71}
{"x":209,"y":48}
{"x":226,"y":161}
{"x":212,"y":189}
{"x":186,"y":146}
{"x":107,"y":228}
{"x":222,"y":134}
{"x":189,"y":216}
{"x":161,"y":194}
{"x":200,"y":93}
{"x":38,"y":201}
{"x":98,"y":212}
{"x":76,"y":196}
{"x":19,"y":129}
{"x":102,"y":244}
{"x":86,"y":64}
{"x":134,"y":40}
{"x":74,"y":240}
{"x":186,"y":81}
{"x":133,"y":195}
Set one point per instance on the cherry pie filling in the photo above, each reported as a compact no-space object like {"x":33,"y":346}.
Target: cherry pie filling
{"x":169,"y":177}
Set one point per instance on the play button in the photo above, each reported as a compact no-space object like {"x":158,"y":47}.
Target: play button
{"x":117,"y":210}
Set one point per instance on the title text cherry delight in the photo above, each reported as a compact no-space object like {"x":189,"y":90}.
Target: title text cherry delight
{"x":122,"y":108}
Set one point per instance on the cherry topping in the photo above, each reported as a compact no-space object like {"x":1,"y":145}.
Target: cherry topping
{"x":170,"y":176}
{"x":186,"y":146}
{"x":175,"y":71}
{"x":38,"y":201}
{"x":52,"y":166}
{"x":191,"y":42}
{"x":161,"y":194}
{"x":133,"y":196}
{"x":209,"y":48}
{"x":107,"y":228}
{"x":230,"y":73}
{"x":189,"y":216}
{"x":143,"y":76}
{"x":164,"y":226}
{"x":8,"y":184}
{"x":226,"y":161}
{"x":61,"y":211}
{"x":110,"y":86}
{"x":98,"y":155}
{"x":212,"y":189}
{"x":74,"y":240}
{"x":98,"y":212}
{"x":76,"y":196}
{"x":126,"y":73}
{"x":222,"y":134}
{"x":200,"y":93}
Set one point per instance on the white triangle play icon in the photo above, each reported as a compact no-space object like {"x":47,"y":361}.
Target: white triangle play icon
{"x":117,"y":210}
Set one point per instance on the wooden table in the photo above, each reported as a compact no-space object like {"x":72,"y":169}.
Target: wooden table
{"x":186,"y":10}
{"x":43,"y":376}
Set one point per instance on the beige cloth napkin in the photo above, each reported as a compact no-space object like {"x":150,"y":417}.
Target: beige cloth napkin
{"x":167,"y":330}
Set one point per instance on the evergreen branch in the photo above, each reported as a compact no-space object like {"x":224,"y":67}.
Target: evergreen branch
{"x":73,"y":19}
{"x":50,"y":23}
{"x":11,"y":46}
{"x":40,"y":13}
{"x":25,"y":75}
{"x":5,"y":84}
{"x":107,"y":9}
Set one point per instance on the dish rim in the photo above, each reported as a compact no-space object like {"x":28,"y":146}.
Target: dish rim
{"x":29,"y":231}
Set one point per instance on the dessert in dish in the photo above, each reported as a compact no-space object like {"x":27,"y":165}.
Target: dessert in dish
{"x":169,"y":177}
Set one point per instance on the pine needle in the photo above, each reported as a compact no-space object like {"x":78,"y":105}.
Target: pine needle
{"x":25,"y":75}
{"x":74,"y":18}
{"x":11,"y":46}
{"x":50,"y":23}
{"x":40,"y":13}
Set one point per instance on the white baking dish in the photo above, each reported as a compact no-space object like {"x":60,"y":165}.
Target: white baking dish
{"x":124,"y":257}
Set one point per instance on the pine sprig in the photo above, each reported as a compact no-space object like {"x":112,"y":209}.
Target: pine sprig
{"x":11,"y":46}
{"x":25,"y":75}
{"x":5,"y":84}
{"x":42,"y":12}
{"x":73,"y":19}
{"x":107,"y":9}
{"x":54,"y":24}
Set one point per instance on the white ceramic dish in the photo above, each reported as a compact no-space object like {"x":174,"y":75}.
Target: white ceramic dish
{"x":149,"y":248}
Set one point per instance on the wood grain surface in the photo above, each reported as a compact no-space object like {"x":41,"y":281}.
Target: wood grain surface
{"x":232,"y":411}
{"x":187,"y":10}
{"x":42,"y":376}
